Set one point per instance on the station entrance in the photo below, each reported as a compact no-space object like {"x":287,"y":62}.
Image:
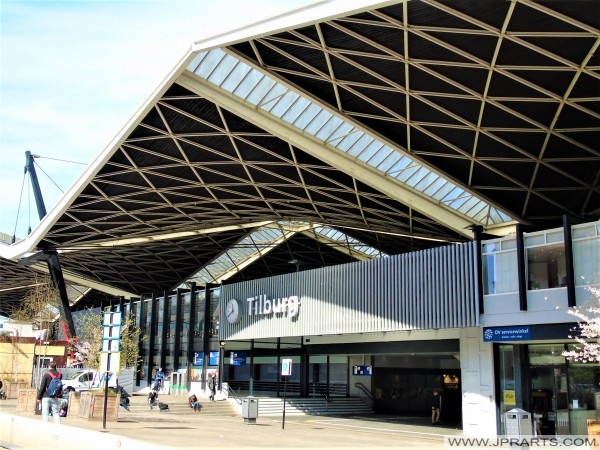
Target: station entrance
{"x":409,"y":392}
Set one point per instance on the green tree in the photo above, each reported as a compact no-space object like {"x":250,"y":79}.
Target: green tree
{"x":88,"y":345}
{"x":40,"y":303}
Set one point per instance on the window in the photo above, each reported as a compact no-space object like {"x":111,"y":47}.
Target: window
{"x":546,"y":267}
{"x":499,"y":267}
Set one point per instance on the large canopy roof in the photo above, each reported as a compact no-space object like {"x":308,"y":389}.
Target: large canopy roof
{"x":331,"y":135}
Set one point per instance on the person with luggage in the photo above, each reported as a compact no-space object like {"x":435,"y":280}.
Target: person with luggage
{"x":152,"y":399}
{"x":50,"y":393}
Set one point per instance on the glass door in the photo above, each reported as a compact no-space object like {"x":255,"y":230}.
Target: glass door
{"x":584,"y":395}
{"x":549,"y":389}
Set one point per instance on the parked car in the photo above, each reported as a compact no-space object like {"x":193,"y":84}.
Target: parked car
{"x":88,"y":379}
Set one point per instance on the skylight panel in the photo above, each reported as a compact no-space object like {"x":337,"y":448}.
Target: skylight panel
{"x":469,"y":206}
{"x":350,"y":139}
{"x":480,"y":211}
{"x":248,"y":83}
{"x":208,"y":64}
{"x":406,"y":173}
{"x":444,"y":191}
{"x":390,"y":160}
{"x":235,"y":78}
{"x":284,"y":104}
{"x":272,"y":96}
{"x":340,"y":133}
{"x":317,"y":122}
{"x":379,"y":156}
{"x":328,"y":127}
{"x":223,"y":70}
{"x":261,"y":90}
{"x":429,"y":179}
{"x":399,"y":166}
{"x":296,"y":110}
{"x":307,"y":116}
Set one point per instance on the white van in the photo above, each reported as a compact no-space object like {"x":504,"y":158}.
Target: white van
{"x":85,"y":380}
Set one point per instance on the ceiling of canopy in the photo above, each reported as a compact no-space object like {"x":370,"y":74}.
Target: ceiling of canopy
{"x":356,"y":134}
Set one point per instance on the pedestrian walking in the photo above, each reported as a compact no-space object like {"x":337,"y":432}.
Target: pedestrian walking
{"x":50,"y":393}
{"x":212,"y":386}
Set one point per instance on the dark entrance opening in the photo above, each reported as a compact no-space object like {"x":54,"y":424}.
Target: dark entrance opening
{"x":409,"y":392}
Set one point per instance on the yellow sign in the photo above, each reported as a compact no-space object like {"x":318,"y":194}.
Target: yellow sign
{"x":510,"y":398}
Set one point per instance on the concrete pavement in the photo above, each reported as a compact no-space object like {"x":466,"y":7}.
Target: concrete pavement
{"x":169,"y":430}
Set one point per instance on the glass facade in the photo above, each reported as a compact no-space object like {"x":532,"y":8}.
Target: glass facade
{"x":545,"y":260}
{"x":499,"y":259}
{"x":562,"y":395}
{"x":586,"y":251}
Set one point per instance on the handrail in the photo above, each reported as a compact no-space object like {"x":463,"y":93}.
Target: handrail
{"x":231,"y":392}
{"x":365,"y":389}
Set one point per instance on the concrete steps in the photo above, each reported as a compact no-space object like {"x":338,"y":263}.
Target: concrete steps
{"x":178,"y":404}
{"x":272,"y":406}
{"x":267,"y":406}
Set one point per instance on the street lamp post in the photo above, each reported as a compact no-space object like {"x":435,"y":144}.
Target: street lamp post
{"x":221,"y":363}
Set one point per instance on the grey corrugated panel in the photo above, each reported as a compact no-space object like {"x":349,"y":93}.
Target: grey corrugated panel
{"x":421,"y":290}
{"x":439,"y":315}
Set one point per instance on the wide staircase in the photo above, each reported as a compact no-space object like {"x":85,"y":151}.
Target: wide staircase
{"x":336,"y":406}
{"x":178,"y":404}
{"x":267,"y":406}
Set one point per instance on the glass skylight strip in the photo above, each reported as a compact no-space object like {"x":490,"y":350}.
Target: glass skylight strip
{"x":262,"y":238}
{"x":248,"y":247}
{"x":259,"y":89}
{"x":349,"y":242}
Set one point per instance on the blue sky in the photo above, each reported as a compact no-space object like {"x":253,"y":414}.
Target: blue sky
{"x":73,"y":72}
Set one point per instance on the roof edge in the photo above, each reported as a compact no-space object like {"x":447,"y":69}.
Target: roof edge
{"x":319,"y":11}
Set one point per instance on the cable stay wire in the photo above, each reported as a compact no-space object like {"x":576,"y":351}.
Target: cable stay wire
{"x":35,"y":157}
{"x":14,"y":236}
{"x":61,"y":160}
{"x":39,"y":167}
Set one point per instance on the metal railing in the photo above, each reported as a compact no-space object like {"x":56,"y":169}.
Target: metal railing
{"x":231,"y":393}
{"x":365,"y":390}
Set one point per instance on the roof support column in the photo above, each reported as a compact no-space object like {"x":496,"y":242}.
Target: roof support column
{"x":151,"y":331}
{"x":178,"y":329}
{"x":521,"y":269}
{"x":572,"y":301}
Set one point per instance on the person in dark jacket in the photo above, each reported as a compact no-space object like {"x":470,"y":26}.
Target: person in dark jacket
{"x":43,"y":397}
{"x":436,"y":408}
{"x":212,"y":386}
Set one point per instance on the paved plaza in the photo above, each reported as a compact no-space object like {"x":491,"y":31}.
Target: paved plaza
{"x":171,"y":430}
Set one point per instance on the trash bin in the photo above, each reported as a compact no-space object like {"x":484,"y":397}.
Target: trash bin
{"x":517,"y":423}
{"x":250,"y":409}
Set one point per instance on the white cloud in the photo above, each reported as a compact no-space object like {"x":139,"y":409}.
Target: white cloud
{"x":73,"y":72}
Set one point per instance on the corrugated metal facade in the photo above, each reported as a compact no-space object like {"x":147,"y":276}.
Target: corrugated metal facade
{"x":430,"y":289}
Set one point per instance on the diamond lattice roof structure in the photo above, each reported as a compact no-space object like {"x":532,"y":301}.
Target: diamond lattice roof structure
{"x":339,"y":132}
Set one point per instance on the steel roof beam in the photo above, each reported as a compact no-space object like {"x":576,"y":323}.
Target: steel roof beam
{"x":323,"y":152}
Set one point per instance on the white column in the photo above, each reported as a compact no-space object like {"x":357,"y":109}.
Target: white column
{"x":478,"y":400}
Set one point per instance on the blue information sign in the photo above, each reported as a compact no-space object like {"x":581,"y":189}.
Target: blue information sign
{"x":237,"y":359}
{"x":198,"y":358}
{"x":213,"y":358}
{"x":505,"y":334}
{"x":362,"y":370}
